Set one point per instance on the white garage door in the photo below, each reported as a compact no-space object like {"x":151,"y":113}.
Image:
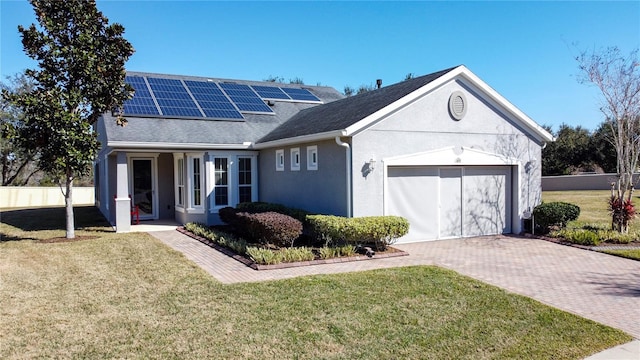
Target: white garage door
{"x":450,"y":202}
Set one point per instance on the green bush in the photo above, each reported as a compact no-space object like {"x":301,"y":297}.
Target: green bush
{"x":578,"y":236}
{"x":262,"y":207}
{"x":551,"y":214}
{"x":616,"y":237}
{"x":380,"y":231}
{"x":296,"y":254}
{"x":327,"y":252}
{"x":228,"y":215}
{"x":221,"y":238}
{"x":263,"y":256}
{"x":271,"y":227}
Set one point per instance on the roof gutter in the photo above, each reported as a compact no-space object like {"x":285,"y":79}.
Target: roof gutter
{"x":300,"y":139}
{"x":348,"y":162}
{"x":176,"y":146}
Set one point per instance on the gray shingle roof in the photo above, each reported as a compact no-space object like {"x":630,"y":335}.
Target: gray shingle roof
{"x":341,"y":114}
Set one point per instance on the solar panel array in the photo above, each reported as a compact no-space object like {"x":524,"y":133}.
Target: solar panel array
{"x":205,"y":99}
{"x":142,"y":102}
{"x":285,"y":93}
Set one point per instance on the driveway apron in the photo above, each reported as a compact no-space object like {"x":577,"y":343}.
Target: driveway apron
{"x":597,"y":286}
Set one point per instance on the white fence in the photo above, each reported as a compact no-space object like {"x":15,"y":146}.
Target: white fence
{"x":25,"y":196}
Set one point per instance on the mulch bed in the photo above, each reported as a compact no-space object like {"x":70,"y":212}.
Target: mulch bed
{"x":390,"y":252}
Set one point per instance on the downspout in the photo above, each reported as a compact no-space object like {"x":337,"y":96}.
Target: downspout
{"x":348,"y":153}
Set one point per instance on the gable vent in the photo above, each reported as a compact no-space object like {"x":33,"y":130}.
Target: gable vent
{"x":457,"y":105}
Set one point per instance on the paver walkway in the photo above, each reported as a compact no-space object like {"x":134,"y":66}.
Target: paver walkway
{"x":596,"y":286}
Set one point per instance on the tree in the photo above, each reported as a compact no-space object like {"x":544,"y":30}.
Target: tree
{"x":409,"y":76}
{"x":617,"y":77}
{"x":18,"y":165}
{"x":348,"y":91}
{"x":80,"y":76}
{"x":603,"y":152}
{"x":570,"y":153}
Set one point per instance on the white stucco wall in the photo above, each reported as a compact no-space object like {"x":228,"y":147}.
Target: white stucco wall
{"x":426,"y":125}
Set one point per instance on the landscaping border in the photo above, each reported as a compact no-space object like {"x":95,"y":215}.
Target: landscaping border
{"x":583,"y":247}
{"x":250,"y":263}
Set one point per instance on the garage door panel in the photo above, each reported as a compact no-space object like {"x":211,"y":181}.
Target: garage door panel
{"x":446,"y":202}
{"x":486,"y":200}
{"x":411,"y":195}
{"x":450,"y":202}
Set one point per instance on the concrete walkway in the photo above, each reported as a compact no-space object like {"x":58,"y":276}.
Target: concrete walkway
{"x":596,"y":286}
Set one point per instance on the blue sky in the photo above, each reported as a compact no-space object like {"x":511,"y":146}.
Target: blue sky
{"x":524,"y":50}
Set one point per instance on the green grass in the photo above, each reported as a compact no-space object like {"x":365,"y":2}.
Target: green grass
{"x":593,"y":204}
{"x":593,"y":211}
{"x":629,"y":254}
{"x":130,"y":296}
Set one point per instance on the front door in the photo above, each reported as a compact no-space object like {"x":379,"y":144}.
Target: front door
{"x":143,"y":185}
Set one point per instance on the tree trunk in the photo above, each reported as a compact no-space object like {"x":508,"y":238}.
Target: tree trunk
{"x":68,"y":201}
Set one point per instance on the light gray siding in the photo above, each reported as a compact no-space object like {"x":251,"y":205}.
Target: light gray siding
{"x":320,"y":191}
{"x":426,"y":125}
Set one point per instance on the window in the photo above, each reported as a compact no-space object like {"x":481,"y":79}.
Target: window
{"x":221,"y":178}
{"x":244,"y":180}
{"x":280,"y":160}
{"x":312,"y":157}
{"x":197,"y":187}
{"x":180,"y":182}
{"x":295,"y":159}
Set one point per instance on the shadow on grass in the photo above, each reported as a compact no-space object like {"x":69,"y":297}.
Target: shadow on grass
{"x":86,"y":218}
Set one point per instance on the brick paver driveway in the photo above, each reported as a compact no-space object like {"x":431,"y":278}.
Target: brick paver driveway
{"x":596,"y":286}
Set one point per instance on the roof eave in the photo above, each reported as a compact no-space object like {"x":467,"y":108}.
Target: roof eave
{"x":176,"y":146}
{"x":300,"y":139}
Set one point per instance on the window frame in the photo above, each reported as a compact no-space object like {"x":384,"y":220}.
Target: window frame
{"x":191,"y":190}
{"x":227,"y":186}
{"x":295,"y":159}
{"x":311,"y":151}
{"x":280,"y":160}
{"x":251,"y":183}
{"x":179,"y":179}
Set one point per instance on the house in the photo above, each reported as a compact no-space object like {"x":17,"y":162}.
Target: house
{"x":444,"y":150}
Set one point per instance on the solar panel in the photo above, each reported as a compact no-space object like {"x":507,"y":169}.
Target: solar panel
{"x":245,"y":98}
{"x":212,"y":100}
{"x":300,"y":94}
{"x":142,"y":101}
{"x":270,"y":92}
{"x":173,"y":98}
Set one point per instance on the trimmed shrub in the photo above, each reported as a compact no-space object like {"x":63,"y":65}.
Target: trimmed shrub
{"x":262,"y":207}
{"x":219,"y":237}
{"x":228,"y":215}
{"x":271,"y":227}
{"x":380,"y":231}
{"x":578,"y":236}
{"x":551,"y":214}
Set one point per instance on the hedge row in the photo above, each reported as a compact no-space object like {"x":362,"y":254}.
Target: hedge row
{"x":380,"y":231}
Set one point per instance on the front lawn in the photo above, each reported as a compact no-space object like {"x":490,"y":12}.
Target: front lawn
{"x":593,"y":206}
{"x":130,"y":296}
{"x":629,"y":254}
